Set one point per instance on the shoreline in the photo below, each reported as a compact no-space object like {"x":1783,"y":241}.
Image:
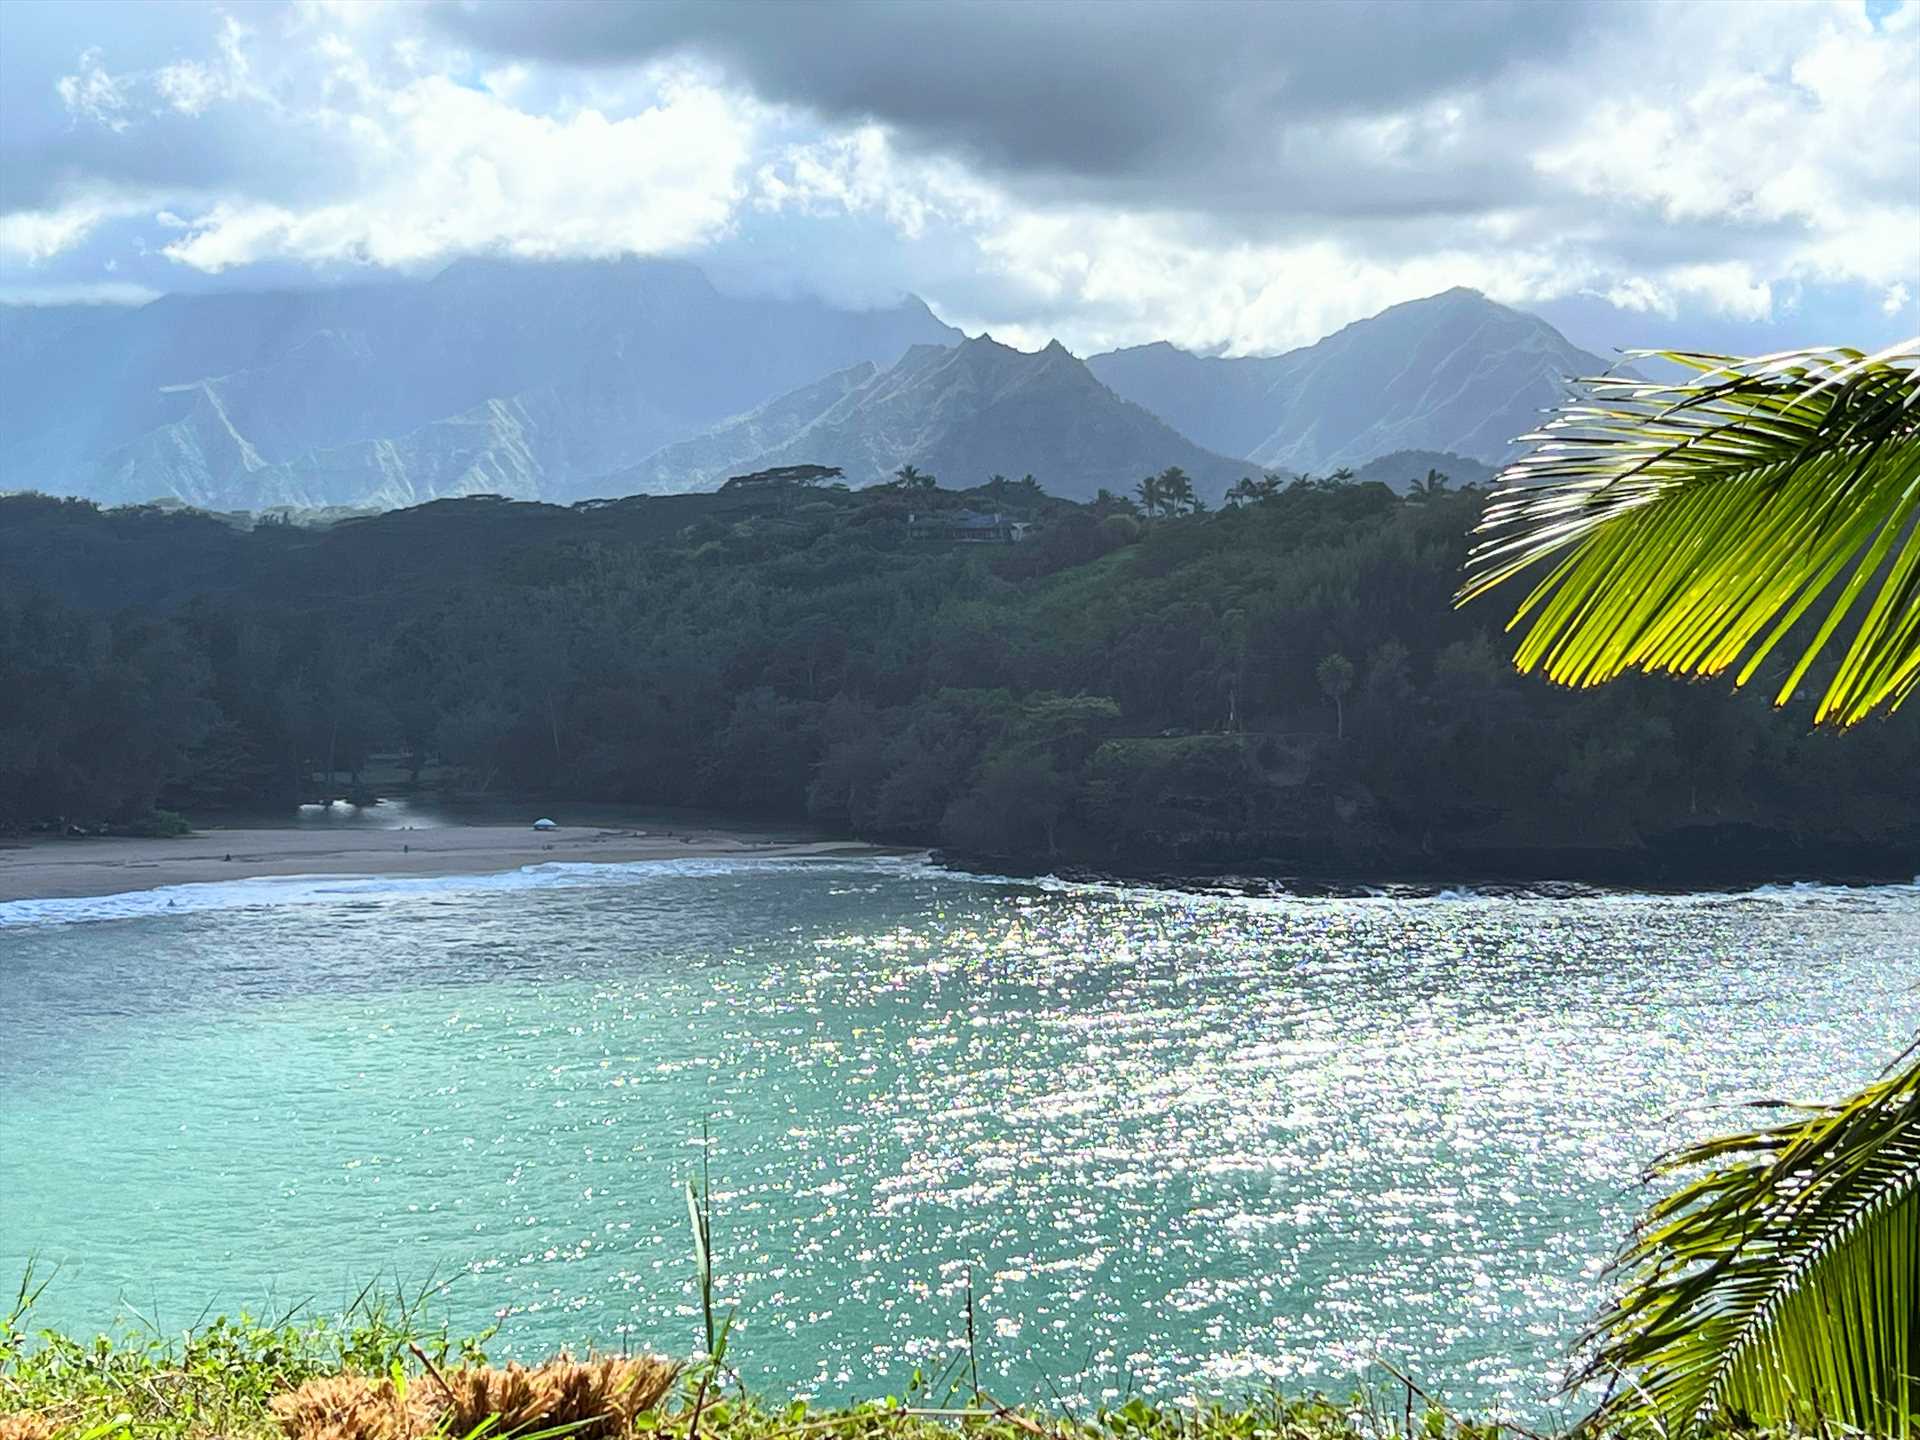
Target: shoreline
{"x":69,"y":868}
{"x":1307,"y":881}
{"x":62,"y":868}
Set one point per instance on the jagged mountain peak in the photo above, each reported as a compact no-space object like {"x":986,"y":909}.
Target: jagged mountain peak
{"x":1453,"y":372}
{"x":328,"y":385}
{"x":1163,"y":348}
{"x":575,"y":377}
{"x":961,"y":413}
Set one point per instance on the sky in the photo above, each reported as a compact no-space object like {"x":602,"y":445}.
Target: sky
{"x":1237,"y":178}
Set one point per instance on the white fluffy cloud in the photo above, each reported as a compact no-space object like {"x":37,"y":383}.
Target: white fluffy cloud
{"x":455,"y":171}
{"x":1800,"y":123}
{"x":1678,"y":161}
{"x":412,"y":167}
{"x":90,"y":93}
{"x":36,"y":235}
{"x":190,"y":86}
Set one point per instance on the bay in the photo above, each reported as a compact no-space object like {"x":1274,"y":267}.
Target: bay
{"x":1177,"y":1143}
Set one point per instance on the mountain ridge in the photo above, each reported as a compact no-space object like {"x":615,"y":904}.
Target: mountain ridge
{"x":964,"y":413}
{"x":1453,"y":372}
{"x":617,"y":358}
{"x":574,"y":379}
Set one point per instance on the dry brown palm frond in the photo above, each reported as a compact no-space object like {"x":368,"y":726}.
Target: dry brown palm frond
{"x":352,"y":1407}
{"x":600,"y":1396}
{"x":590,"y":1398}
{"x":28,"y":1425}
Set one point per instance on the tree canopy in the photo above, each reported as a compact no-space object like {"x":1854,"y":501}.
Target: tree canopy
{"x":1150,"y":695}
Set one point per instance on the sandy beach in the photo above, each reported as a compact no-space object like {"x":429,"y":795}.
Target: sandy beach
{"x":53,"y":868}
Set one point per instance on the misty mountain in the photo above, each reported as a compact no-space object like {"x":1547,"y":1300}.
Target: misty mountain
{"x":962,"y":413}
{"x":1229,"y":402}
{"x":561,"y":381}
{"x":1399,"y":470}
{"x":491,"y":375}
{"x":1453,"y":373}
{"x":735,"y":446}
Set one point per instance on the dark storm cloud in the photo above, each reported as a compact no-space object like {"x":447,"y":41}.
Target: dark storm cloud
{"x":1115,"y":98}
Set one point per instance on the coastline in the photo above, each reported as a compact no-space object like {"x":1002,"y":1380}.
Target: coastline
{"x":1708,"y":857}
{"x":57,"y":868}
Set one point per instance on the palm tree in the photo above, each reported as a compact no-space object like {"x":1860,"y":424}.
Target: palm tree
{"x":1779,"y":1285}
{"x":1176,"y":489}
{"x":1151,"y":495}
{"x":1700,"y":521}
{"x":1431,"y":488}
{"x":1335,"y":676}
{"x":1697,"y":523}
{"x":1244,"y":491}
{"x":908,"y":477}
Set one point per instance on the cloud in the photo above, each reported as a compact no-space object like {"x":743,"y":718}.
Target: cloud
{"x":36,"y":235}
{"x":1640,"y":295}
{"x":1240,"y":176}
{"x":363,"y":150}
{"x":1235,"y":177}
{"x":460,"y":171}
{"x":190,"y":86}
{"x":1192,"y":101}
{"x":1759,"y":127}
{"x":92,"y":94}
{"x":101,"y":292}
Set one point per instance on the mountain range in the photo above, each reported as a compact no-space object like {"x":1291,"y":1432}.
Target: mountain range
{"x":491,"y":376}
{"x":564,"y":381}
{"x":1454,"y":372}
{"x":965,"y":412}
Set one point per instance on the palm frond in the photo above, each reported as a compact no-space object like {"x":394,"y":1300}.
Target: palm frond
{"x":1697,"y":523}
{"x":1780,"y":1287}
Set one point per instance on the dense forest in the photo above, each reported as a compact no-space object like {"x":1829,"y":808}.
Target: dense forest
{"x":1279,"y":685}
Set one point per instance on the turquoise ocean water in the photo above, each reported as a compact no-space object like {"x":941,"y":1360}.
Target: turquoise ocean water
{"x":1183,"y":1143}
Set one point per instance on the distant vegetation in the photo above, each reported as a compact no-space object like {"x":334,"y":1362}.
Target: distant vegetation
{"x":1279,"y":683}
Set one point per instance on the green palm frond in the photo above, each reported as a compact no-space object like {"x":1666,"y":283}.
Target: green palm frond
{"x":1697,"y":523}
{"x":1780,"y":1287}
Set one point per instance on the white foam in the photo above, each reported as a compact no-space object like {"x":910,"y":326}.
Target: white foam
{"x":266,"y":891}
{"x":287,"y":890}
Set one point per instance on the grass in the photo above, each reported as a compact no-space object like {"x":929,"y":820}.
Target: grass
{"x":384,"y":1371}
{"x":213,"y":1379}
